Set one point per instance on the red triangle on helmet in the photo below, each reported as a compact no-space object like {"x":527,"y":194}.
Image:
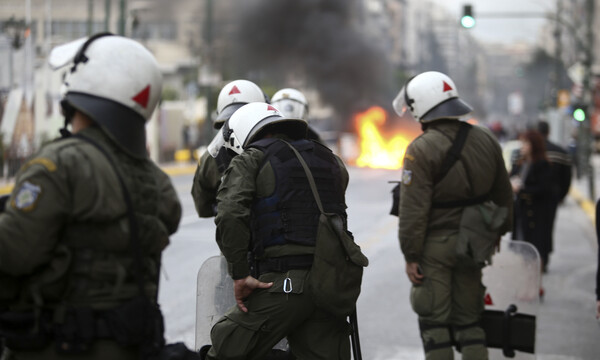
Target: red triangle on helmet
{"x":142,"y":97}
{"x":488,"y":299}
{"x":447,"y":87}
{"x":234,"y":90}
{"x":271,"y":108}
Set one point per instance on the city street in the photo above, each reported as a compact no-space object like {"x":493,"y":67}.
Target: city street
{"x":567,"y":328}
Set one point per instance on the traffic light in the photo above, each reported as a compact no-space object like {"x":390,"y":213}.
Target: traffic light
{"x":579,"y":112}
{"x":467,"y":20}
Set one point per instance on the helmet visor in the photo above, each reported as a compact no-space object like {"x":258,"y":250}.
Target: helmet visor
{"x":454,"y":108}
{"x":215,"y":145}
{"x":63,"y":55}
{"x":291,"y":108}
{"x":226,"y":114}
{"x":400,"y":105}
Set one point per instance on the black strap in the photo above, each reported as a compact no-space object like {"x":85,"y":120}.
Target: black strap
{"x":452,"y":156}
{"x":454,"y":152}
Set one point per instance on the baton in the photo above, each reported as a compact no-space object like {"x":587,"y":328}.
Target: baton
{"x":356,"y":353}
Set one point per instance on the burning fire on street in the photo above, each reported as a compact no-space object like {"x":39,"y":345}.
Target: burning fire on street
{"x":379,"y":148}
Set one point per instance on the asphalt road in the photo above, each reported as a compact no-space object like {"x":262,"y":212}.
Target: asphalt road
{"x":567,"y":328}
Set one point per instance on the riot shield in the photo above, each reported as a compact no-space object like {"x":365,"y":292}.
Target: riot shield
{"x":512,"y":301}
{"x":214,"y":296}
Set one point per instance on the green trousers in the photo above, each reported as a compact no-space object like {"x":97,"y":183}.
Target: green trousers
{"x":274,"y":314}
{"x":449,"y":302}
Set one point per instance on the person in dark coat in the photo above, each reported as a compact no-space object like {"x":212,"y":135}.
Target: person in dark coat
{"x":562,"y":171}
{"x":533,"y":188}
{"x":598,"y":270}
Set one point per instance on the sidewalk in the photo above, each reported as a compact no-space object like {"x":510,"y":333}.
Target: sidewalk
{"x":580,"y":189}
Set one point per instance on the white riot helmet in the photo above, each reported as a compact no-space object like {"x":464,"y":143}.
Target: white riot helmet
{"x":113,"y":80}
{"x":235,"y":95}
{"x":246,"y":123}
{"x":431,"y":96}
{"x":291,"y":102}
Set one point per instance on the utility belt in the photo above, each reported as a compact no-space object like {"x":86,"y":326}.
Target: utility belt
{"x":284,"y":263}
{"x":73,"y":330}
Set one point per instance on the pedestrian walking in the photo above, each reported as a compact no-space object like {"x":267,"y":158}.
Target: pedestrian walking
{"x":561,"y":168}
{"x":533,"y":186}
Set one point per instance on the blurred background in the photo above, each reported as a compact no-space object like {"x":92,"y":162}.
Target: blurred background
{"x":515,"y":62}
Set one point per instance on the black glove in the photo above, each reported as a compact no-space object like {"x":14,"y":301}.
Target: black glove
{"x":395,"y":200}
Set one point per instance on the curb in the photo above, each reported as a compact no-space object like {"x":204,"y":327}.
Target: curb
{"x":5,"y":189}
{"x":586,"y":204}
{"x":172,"y":170}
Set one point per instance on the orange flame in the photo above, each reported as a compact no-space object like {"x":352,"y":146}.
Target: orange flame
{"x":375,"y":150}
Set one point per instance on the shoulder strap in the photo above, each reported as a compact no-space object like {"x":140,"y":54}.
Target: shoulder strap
{"x":454,"y":152}
{"x":311,"y":180}
{"x":134,"y":240}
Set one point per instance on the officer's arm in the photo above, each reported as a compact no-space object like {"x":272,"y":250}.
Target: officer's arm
{"x":170,"y":209}
{"x":205,"y":185}
{"x":234,"y":199}
{"x":37,"y":208}
{"x":415,"y":203}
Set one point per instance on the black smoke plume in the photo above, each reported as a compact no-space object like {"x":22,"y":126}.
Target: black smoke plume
{"x":320,"y":41}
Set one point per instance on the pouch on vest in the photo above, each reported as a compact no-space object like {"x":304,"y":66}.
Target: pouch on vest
{"x":479,"y":232}
{"x":336,"y":274}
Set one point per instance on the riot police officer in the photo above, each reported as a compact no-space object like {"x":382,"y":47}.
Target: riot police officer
{"x":265,"y":206}
{"x":89,"y":216}
{"x":293,"y":104}
{"x":447,"y":294}
{"x":215,"y":160}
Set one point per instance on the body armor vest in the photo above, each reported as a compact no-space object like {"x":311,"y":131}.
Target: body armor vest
{"x":100,"y":266}
{"x":290,"y":215}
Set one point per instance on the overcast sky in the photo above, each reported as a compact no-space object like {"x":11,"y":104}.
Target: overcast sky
{"x":504,"y":30}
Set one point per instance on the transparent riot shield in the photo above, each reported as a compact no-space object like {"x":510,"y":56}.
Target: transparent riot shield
{"x":512,"y":301}
{"x":214,"y":296}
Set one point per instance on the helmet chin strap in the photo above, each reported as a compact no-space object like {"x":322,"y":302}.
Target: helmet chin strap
{"x":68,"y":112}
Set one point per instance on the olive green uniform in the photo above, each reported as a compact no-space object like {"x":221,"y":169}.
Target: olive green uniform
{"x":206,"y":183}
{"x":451,"y":295}
{"x":65,"y":235}
{"x":273,"y":314}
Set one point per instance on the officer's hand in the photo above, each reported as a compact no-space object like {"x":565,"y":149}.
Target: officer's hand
{"x":414,"y":273}
{"x":242,"y":288}
{"x":598,"y":310}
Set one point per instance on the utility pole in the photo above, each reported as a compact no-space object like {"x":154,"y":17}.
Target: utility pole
{"x":557,"y":54}
{"x":208,"y":55}
{"x":107,"y":15}
{"x":585,"y":128}
{"x":90,"y":20}
{"x":122,"y":17}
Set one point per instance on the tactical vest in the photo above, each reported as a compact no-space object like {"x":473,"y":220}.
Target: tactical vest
{"x":290,"y":215}
{"x":93,"y":264}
